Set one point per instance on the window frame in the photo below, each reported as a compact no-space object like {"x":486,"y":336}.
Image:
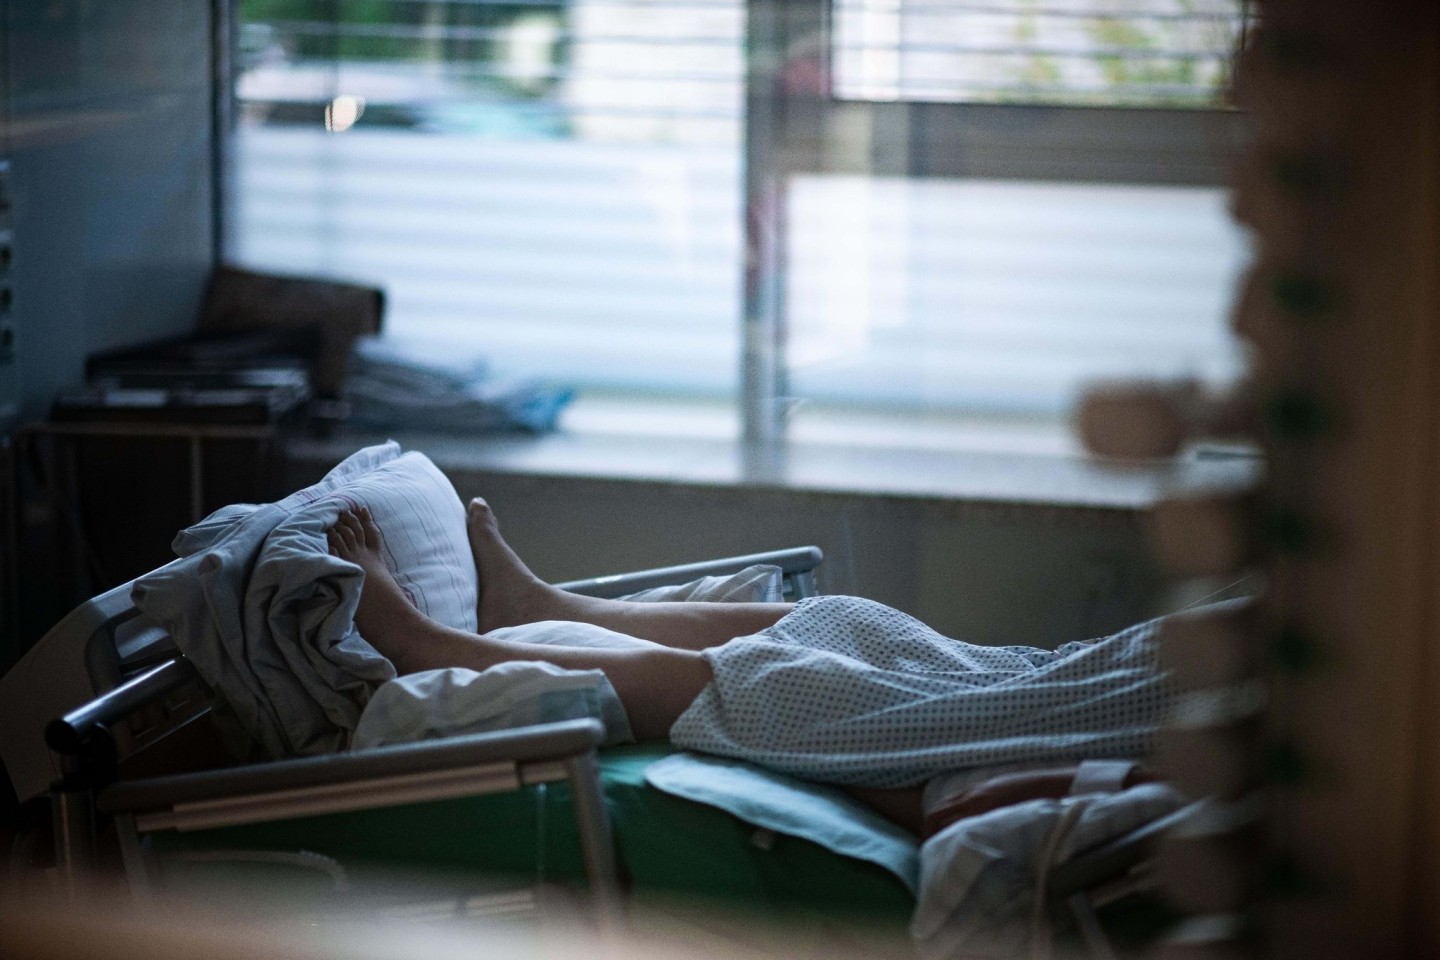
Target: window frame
{"x":800,"y":127}
{"x":790,"y":132}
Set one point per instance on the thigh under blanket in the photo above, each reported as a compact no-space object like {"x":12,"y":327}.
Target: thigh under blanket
{"x":845,"y":690}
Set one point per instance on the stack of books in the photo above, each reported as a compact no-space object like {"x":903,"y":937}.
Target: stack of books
{"x":248,"y":379}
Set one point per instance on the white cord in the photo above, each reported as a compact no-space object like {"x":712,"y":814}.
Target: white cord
{"x":1216,"y":593}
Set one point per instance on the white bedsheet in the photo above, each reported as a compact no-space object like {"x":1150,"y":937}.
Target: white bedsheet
{"x":457,"y":701}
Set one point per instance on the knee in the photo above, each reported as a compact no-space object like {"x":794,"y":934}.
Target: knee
{"x":679,"y":676}
{"x":678,"y":667}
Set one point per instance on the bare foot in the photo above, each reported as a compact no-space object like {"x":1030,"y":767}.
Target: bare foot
{"x":384,"y":609}
{"x":509,"y":593}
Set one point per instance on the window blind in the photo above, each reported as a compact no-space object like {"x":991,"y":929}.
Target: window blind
{"x":1172,"y":53}
{"x":1004,"y":297}
{"x":556,"y":185}
{"x":1007,"y":296}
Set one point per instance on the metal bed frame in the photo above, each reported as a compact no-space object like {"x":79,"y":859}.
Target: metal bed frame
{"x":89,"y":743}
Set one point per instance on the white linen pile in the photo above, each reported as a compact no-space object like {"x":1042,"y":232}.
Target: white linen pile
{"x":265,"y":613}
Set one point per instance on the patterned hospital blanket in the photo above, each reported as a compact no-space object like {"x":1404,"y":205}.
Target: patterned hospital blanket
{"x":849,"y":691}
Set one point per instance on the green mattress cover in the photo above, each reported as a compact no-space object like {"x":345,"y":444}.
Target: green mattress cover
{"x":667,"y":845}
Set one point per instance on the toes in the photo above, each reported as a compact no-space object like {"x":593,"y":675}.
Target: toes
{"x":368,"y":530}
{"x":354,"y":532}
{"x":341,"y":542}
{"x":345,"y":536}
{"x":480,"y":519}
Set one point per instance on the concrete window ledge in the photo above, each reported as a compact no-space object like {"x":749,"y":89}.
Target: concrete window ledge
{"x":1035,"y":479}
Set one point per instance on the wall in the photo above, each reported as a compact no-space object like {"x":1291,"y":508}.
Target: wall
{"x":987,"y":572}
{"x":108,"y":127}
{"x":111,"y":140}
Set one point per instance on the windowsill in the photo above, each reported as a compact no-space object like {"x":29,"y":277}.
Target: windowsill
{"x":812,"y":425}
{"x":650,"y":448}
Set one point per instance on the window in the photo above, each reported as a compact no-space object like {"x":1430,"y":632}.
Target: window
{"x":554,"y":185}
{"x":953,"y":211}
{"x":989,"y":204}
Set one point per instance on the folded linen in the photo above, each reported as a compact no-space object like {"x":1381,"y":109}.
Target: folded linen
{"x":978,"y":875}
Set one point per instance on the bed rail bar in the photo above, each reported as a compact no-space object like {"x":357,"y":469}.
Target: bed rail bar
{"x":796,"y":564}
{"x":74,"y":734}
{"x":1099,"y":876}
{"x":523,"y":745}
{"x":1115,"y":857}
{"x":472,"y":765}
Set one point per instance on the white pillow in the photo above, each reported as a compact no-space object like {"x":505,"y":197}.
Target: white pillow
{"x":422,"y":521}
{"x":417,"y":510}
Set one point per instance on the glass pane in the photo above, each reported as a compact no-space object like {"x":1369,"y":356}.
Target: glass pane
{"x":1171,"y":53}
{"x":1002,"y":299}
{"x":556,"y":184}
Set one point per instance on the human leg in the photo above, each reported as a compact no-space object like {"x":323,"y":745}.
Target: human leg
{"x":654,"y":683}
{"x":510,"y":594}
{"x":904,"y":806}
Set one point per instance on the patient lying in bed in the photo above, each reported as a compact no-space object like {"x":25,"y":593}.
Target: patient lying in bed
{"x":833,"y":689}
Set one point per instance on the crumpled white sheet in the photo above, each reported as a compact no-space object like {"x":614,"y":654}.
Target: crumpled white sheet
{"x":267,"y":621}
{"x":457,"y":701}
{"x":269,"y":625}
{"x":977,"y":876}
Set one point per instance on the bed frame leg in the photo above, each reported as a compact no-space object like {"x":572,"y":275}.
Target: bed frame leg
{"x":595,"y":840}
{"x":74,"y":838}
{"x":132,"y":855}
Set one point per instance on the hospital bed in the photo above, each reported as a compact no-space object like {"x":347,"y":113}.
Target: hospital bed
{"x":571,"y":811}
{"x":145,"y":706}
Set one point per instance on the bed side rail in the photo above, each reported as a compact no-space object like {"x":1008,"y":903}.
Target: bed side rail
{"x":408,"y":762}
{"x":797,"y":565}
{"x":1108,"y":872}
{"x":85,"y":731}
{"x":452,"y":767}
{"x":481,"y":763}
